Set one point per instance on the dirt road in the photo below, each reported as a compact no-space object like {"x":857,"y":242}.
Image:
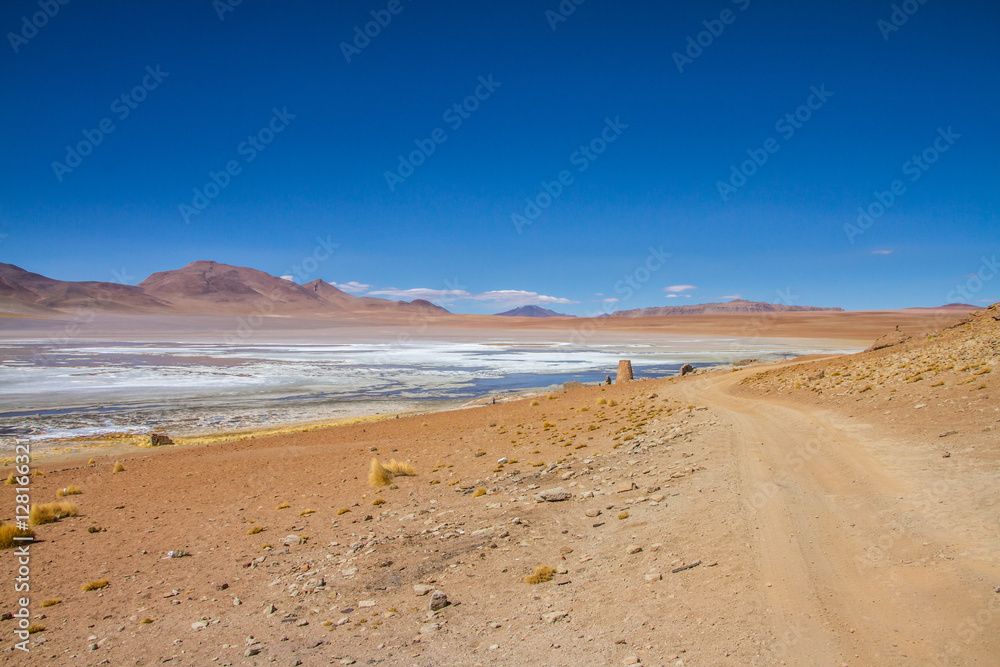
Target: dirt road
{"x":868,"y":550}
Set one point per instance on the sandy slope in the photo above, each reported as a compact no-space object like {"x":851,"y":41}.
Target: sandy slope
{"x":829,"y":528}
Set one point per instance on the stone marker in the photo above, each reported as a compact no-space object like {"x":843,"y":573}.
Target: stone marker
{"x":624,"y":372}
{"x":686,"y":368}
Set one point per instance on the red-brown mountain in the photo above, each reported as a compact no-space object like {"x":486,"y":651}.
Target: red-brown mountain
{"x":531,"y":311}
{"x":199,"y":287}
{"x":735,"y":306}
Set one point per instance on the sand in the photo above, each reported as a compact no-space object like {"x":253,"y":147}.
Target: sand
{"x":832,"y":511}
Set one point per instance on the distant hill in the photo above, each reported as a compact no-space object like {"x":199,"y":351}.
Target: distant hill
{"x":199,"y":287}
{"x":735,"y":306}
{"x":949,"y":306}
{"x":531,"y":311}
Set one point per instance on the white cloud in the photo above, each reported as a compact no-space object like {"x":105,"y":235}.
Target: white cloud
{"x":679,"y":288}
{"x":352,"y":286}
{"x":514,"y":297}
{"x":422,"y":293}
{"x":732,"y":296}
{"x":610,"y":299}
{"x":290,"y":279}
{"x":673,"y":296}
{"x":881,"y":252}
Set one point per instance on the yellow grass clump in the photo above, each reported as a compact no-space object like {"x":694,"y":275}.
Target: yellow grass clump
{"x":378,"y":501}
{"x":11,"y":479}
{"x":623,"y":515}
{"x":51,"y":603}
{"x":35,"y":627}
{"x":91,"y":462}
{"x":71,"y":490}
{"x":8,"y":531}
{"x":382,"y":475}
{"x":602,"y":401}
{"x":255,"y":530}
{"x":119,"y":467}
{"x":306,"y":512}
{"x":51,"y":512}
{"x":282,"y":506}
{"x":541,"y":574}
{"x":343,"y":510}
{"x":481,"y":491}
{"x":95,"y":585}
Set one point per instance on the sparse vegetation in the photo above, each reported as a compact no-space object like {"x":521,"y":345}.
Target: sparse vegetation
{"x":96,"y":529}
{"x":623,"y":515}
{"x":119,"y":467}
{"x":306,"y":512}
{"x":481,"y":491}
{"x":541,"y":574}
{"x":147,"y":621}
{"x":382,"y":475}
{"x":343,"y":510}
{"x":11,"y":479}
{"x":534,"y":403}
{"x":8,"y":531}
{"x":71,"y":490}
{"x":91,"y":462}
{"x":51,"y":512}
{"x":378,"y":501}
{"x":255,"y":530}
{"x":35,"y":628}
{"x":51,"y":603}
{"x":282,"y":506}
{"x":602,"y":401}
{"x":95,"y":585}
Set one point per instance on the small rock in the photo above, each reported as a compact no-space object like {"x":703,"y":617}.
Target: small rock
{"x":554,"y":616}
{"x":292,"y":540}
{"x":593,"y":513}
{"x":633,"y":659}
{"x":946,"y":455}
{"x":553,"y":495}
{"x":236,"y":602}
{"x":199,"y":625}
{"x":270,"y":609}
{"x":653,"y":576}
{"x":658,"y":498}
{"x":422,"y":589}
{"x":634,"y":549}
{"x":252,"y":651}
{"x":429,"y":628}
{"x":625,"y":488}
{"x":946,"y":434}
{"x":347,"y":661}
{"x":366,"y":603}
{"x":438,"y":600}
{"x":342,"y":620}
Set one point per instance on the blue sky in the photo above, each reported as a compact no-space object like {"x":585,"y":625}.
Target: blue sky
{"x":683,"y":180}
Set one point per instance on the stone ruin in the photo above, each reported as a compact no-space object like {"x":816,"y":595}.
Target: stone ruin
{"x":624,"y":372}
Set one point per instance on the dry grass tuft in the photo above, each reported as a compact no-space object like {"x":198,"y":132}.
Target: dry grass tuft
{"x":119,"y":467}
{"x":623,"y":515}
{"x":255,"y":530}
{"x":481,"y":491}
{"x":8,"y":531}
{"x":51,"y":512}
{"x":95,"y":585}
{"x":378,"y":475}
{"x":51,"y":603}
{"x":11,"y":479}
{"x":91,"y":462}
{"x":382,"y":475}
{"x":534,"y":403}
{"x":147,"y":621}
{"x":602,"y":401}
{"x":541,"y":574}
{"x":306,"y":512}
{"x":343,"y":510}
{"x":378,"y":501}
{"x":282,"y":506}
{"x":35,"y":627}
{"x":71,"y":490}
{"x":96,"y":529}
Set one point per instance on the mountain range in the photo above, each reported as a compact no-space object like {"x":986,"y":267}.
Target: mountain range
{"x":200,"y":287}
{"x":730,"y":307}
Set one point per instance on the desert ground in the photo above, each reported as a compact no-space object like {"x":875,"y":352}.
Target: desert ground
{"x":827,"y":511}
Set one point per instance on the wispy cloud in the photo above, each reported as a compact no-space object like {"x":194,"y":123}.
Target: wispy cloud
{"x":509,"y":297}
{"x":881,"y":252}
{"x":679,"y":288}
{"x":354,"y":287}
{"x":732,"y":296}
{"x":677,"y":296}
{"x":290,"y":279}
{"x":520,"y":298}
{"x":421,"y":293}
